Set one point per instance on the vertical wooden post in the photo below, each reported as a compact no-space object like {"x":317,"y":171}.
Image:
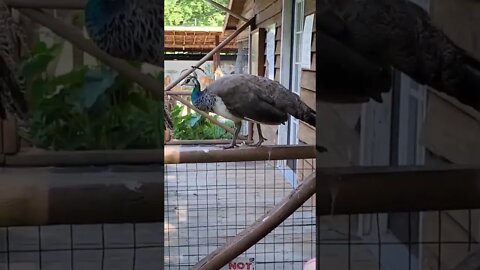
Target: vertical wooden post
{"x":77,"y":53}
{"x":10,"y":138}
{"x":1,"y":138}
{"x":216,"y":56}
{"x":262,"y":33}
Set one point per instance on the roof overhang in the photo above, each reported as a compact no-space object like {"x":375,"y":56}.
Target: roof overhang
{"x":196,"y":39}
{"x":230,"y":21}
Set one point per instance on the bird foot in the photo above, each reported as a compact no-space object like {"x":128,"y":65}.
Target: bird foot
{"x":229,"y":146}
{"x":257,"y":144}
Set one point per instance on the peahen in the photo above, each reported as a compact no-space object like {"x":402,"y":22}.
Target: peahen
{"x":360,"y":41}
{"x":248,"y":97}
{"x":12,"y":85}
{"x":128,"y":29}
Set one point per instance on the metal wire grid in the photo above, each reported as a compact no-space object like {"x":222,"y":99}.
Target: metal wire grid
{"x":206,"y":204}
{"x":436,"y":240}
{"x":89,"y":247}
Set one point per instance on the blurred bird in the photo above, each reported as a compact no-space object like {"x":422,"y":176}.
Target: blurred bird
{"x":362,"y":40}
{"x":12,"y":85}
{"x":128,"y":29}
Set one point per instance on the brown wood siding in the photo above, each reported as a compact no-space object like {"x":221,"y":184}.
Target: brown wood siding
{"x":307,"y":133}
{"x":448,"y":121}
{"x":269,"y":12}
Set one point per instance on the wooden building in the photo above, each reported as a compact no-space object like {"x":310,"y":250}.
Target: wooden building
{"x":280,"y":35}
{"x":414,"y":126}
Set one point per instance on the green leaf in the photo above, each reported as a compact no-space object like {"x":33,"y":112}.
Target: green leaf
{"x":96,"y":83}
{"x":39,"y":60}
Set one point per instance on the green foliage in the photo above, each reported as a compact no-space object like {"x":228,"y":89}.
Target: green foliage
{"x":196,"y":127}
{"x":193,"y":13}
{"x":88,"y":108}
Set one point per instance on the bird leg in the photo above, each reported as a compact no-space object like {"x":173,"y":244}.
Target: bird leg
{"x":261,"y":139}
{"x":238,"y":126}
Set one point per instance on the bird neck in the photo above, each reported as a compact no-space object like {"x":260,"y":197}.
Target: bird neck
{"x":196,"y":92}
{"x":98,"y":12}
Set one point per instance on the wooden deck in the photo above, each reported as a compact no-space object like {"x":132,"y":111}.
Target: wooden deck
{"x":206,"y":204}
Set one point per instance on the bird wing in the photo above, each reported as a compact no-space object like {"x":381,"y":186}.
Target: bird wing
{"x":400,"y":34}
{"x":12,"y":92}
{"x":247,"y":99}
{"x":345,"y":76}
{"x":12,"y":86}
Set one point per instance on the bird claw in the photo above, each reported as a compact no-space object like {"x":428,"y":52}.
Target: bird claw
{"x":229,"y":146}
{"x":256,"y":144}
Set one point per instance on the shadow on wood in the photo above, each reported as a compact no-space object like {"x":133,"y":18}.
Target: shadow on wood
{"x":40,"y":196}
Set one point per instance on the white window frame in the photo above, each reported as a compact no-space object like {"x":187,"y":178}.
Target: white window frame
{"x":375,"y":150}
{"x":298,"y":25}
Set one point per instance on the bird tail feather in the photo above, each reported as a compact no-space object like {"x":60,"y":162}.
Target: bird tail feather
{"x":302,"y":111}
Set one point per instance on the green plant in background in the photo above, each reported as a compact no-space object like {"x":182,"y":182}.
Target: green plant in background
{"x":88,"y":107}
{"x":194,"y":126}
{"x":193,"y":13}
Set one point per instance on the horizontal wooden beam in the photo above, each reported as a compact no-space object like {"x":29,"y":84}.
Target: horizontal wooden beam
{"x":34,"y":158}
{"x":37,"y":197}
{"x":356,"y":190}
{"x":261,"y":228}
{"x":171,"y":154}
{"x":201,"y":142}
{"x":48,"y":4}
{"x":178,"y":154}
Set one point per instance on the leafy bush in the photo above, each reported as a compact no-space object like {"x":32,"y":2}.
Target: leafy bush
{"x":196,"y":127}
{"x":88,"y":108}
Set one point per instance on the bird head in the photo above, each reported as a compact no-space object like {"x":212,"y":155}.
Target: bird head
{"x":191,"y":81}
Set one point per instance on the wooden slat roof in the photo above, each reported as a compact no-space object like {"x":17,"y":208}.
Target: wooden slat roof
{"x":230,"y":21}
{"x":196,"y":39}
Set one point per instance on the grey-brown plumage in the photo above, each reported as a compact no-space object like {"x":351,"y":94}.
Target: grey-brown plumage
{"x":12,"y":85}
{"x":376,"y":35}
{"x":128,"y":29}
{"x":247,"y":97}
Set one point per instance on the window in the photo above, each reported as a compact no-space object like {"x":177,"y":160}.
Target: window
{"x":297,"y":45}
{"x":299,"y":17}
{"x":242,"y":62}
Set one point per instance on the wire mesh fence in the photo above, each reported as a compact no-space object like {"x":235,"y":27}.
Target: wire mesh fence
{"x":68,"y":247}
{"x":208,"y":203}
{"x":429,"y":240}
{"x":132,"y":245}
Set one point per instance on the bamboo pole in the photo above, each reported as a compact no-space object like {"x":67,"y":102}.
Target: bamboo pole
{"x":262,"y":227}
{"x":210,"y":54}
{"x":234,"y":14}
{"x":71,"y":34}
{"x":177,"y":154}
{"x":47,"y":4}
